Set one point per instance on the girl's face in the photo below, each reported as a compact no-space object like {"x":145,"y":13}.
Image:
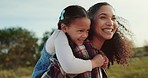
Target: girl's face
{"x":78,"y":30}
{"x":105,"y":23}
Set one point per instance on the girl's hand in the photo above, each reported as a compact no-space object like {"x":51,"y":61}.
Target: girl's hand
{"x":98,"y":61}
{"x":105,"y":62}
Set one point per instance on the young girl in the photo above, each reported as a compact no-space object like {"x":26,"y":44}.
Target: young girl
{"x":75,"y":22}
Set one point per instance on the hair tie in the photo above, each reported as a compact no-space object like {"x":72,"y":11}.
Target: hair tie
{"x":62,"y":15}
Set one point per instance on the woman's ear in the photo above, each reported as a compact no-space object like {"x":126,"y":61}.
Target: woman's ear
{"x":63,"y":27}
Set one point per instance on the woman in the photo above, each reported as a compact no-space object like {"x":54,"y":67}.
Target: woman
{"x":106,"y":35}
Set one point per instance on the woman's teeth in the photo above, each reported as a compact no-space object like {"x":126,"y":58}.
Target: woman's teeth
{"x":107,"y":30}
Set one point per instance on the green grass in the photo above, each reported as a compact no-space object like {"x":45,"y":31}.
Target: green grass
{"x":18,"y":73}
{"x":137,"y":68}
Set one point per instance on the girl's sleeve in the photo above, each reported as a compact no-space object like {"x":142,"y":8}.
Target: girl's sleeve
{"x":49,"y":46}
{"x":69,"y":63}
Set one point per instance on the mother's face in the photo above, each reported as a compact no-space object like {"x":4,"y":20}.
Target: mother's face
{"x":105,"y":23}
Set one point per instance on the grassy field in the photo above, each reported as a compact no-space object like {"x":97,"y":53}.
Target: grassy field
{"x":137,"y":68}
{"x":19,"y":73}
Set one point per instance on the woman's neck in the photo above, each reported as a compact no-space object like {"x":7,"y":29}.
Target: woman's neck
{"x":97,"y":42}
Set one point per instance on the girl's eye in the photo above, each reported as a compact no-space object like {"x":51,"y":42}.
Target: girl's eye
{"x":87,"y":31}
{"x":80,"y":30}
{"x":114,"y":18}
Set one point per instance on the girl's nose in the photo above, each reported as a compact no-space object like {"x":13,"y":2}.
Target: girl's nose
{"x":85,"y":34}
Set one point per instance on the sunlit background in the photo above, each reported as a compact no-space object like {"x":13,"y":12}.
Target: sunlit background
{"x":19,"y":49}
{"x":42,"y":15}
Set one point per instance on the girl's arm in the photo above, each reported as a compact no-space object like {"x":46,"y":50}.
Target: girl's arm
{"x":67,"y":60}
{"x":58,"y":41}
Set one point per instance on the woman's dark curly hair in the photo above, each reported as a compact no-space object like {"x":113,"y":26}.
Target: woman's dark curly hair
{"x":118,"y":48}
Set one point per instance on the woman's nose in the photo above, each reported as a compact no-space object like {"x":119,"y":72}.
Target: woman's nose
{"x":109,"y":22}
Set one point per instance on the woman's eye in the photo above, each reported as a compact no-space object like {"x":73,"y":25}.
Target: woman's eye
{"x":102,"y":17}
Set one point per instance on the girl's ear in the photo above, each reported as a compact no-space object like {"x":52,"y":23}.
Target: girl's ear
{"x":63,"y":27}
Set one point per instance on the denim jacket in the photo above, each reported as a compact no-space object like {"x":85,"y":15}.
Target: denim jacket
{"x":42,"y":64}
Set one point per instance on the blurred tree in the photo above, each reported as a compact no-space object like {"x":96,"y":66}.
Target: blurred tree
{"x":146,"y":46}
{"x":46,"y":35}
{"x":17,"y":47}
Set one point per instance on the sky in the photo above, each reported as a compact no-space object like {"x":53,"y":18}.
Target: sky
{"x":40,"y":16}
